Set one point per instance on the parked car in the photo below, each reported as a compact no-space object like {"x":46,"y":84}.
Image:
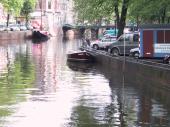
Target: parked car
{"x":7,"y":28}
{"x":135,"y":52}
{"x":23,"y":28}
{"x":14,"y":27}
{"x":166,"y":59}
{"x":126,"y":41}
{"x":29,"y":27}
{"x":2,"y":28}
{"x":102,"y":43}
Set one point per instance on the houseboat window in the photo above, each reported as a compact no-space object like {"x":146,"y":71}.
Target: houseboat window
{"x":160,"y":36}
{"x":167,"y":36}
{"x":163,"y":36}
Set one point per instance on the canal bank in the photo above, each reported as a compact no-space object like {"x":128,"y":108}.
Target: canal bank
{"x":138,"y":71}
{"x":14,"y":35}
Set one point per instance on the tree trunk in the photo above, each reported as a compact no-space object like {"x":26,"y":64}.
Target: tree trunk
{"x":163,"y":15}
{"x":27,"y":19}
{"x":116,"y":11}
{"x":168,"y":20}
{"x":7,"y":23}
{"x":122,"y":22}
{"x":137,"y":20}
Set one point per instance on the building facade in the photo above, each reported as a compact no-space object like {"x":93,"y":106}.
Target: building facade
{"x":3,"y":15}
{"x":52,"y":14}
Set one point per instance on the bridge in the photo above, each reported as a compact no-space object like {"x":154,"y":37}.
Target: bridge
{"x":81,"y":28}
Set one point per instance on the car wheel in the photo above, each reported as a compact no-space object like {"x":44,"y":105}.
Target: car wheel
{"x":136,"y":54}
{"x":166,"y":60}
{"x":96,"y":47}
{"x":115,"y":52}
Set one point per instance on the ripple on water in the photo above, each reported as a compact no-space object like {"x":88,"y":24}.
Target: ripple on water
{"x":39,"y":88}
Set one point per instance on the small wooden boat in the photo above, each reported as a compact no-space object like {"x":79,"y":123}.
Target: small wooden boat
{"x":80,"y":56}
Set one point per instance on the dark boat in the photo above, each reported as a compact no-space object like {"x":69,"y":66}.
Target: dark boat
{"x":40,"y":36}
{"x":80,"y":56}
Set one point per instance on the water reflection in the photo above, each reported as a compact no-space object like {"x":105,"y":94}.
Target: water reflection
{"x":16,"y":74}
{"x":38,"y":87}
{"x":144,"y":105}
{"x":82,"y":67}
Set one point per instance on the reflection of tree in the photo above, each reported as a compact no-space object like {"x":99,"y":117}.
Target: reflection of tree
{"x":114,"y":112}
{"x":18,"y":76}
{"x":145,"y":104}
{"x":121,"y":110}
{"x":83,"y":116}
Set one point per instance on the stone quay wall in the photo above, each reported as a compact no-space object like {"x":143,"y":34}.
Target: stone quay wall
{"x":14,"y":35}
{"x":134,"y":71}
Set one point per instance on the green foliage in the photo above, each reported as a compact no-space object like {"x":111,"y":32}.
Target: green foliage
{"x":94,"y":10}
{"x":19,"y":76}
{"x":13,"y":6}
{"x":150,"y":11}
{"x":27,"y":8}
{"x":141,"y":11}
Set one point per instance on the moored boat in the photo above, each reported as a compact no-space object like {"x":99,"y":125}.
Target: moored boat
{"x":40,"y":36}
{"x":80,"y":56}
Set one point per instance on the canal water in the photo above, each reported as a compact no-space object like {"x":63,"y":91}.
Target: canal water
{"x":39,"y":88}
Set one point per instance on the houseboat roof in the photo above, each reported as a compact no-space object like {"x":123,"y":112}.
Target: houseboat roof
{"x":154,"y":26}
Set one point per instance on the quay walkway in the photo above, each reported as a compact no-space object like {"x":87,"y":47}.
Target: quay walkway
{"x":158,"y":63}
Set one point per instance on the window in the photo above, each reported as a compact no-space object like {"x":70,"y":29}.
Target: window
{"x":127,"y":37}
{"x":49,"y":4}
{"x":167,"y":36}
{"x":163,"y":36}
{"x":160,"y":36}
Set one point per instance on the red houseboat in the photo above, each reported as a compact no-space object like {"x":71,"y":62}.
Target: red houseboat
{"x":154,"y":40}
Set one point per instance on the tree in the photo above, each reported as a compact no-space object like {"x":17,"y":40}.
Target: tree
{"x":150,"y":11}
{"x":26,"y":10}
{"x":121,"y":16}
{"x":95,"y":10}
{"x":12,"y":7}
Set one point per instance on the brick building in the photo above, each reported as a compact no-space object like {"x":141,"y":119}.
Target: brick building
{"x":2,"y":15}
{"x":52,"y":14}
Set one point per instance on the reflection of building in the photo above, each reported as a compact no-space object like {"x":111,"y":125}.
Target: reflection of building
{"x":3,"y":57}
{"x":2,"y":15}
{"x":52,"y":14}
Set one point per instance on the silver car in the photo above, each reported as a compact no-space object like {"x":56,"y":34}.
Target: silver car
{"x":14,"y":27}
{"x":102,"y":43}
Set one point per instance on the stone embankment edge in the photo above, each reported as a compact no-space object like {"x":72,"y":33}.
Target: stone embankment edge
{"x":15,"y":35}
{"x":134,"y":71}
